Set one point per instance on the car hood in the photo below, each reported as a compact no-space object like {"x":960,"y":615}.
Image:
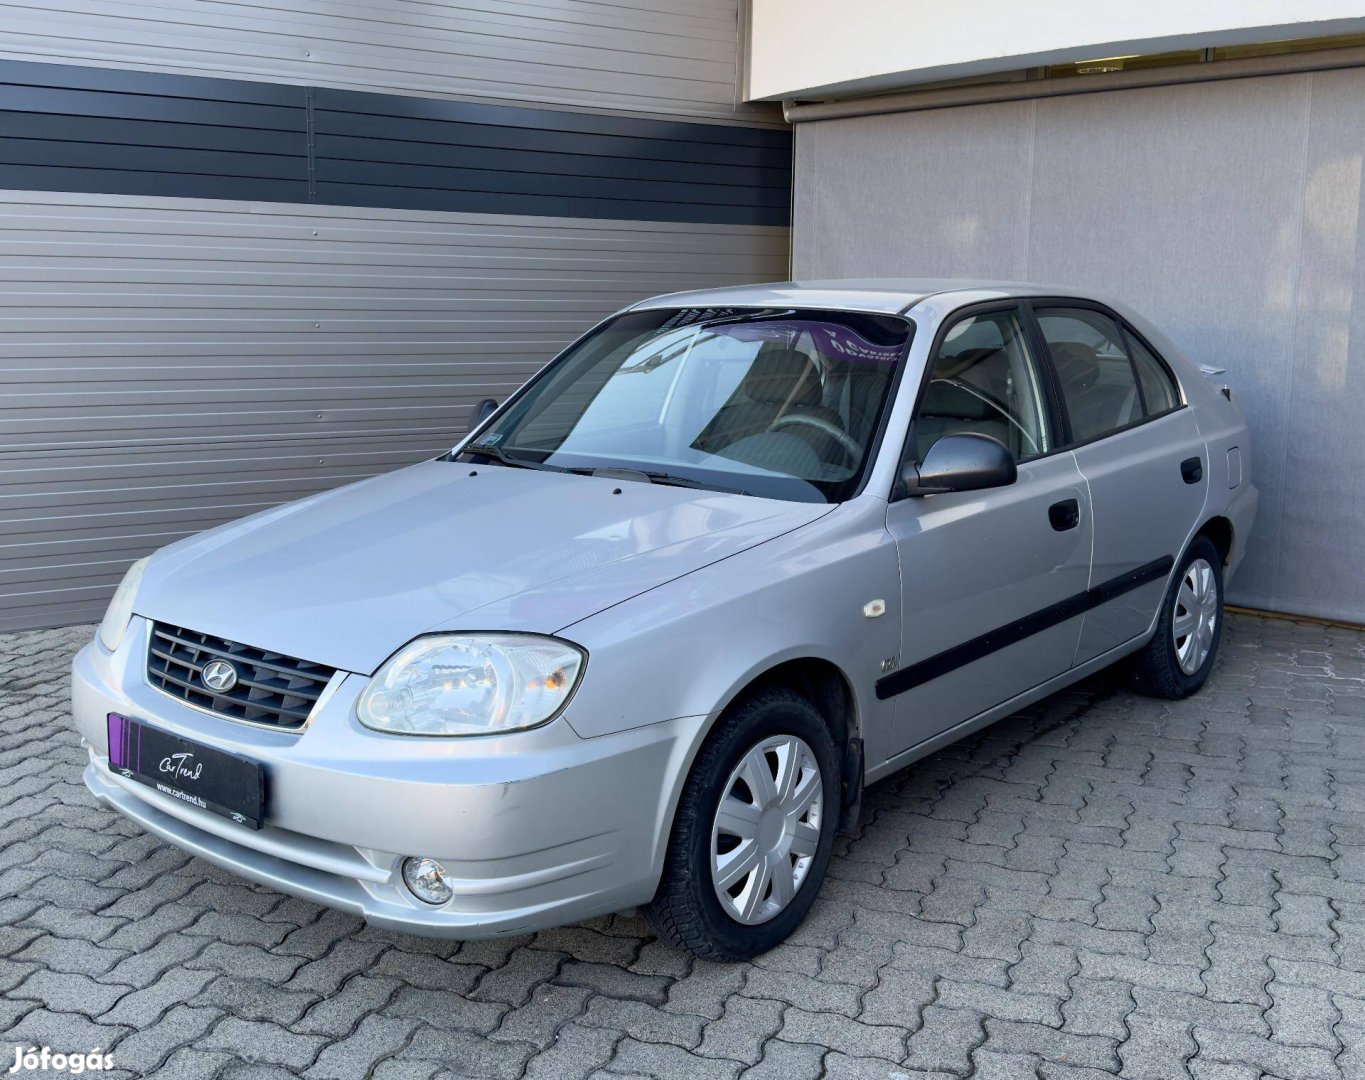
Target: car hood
{"x":346,"y":577}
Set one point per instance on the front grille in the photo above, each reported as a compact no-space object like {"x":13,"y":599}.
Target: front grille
{"x":272,"y":689}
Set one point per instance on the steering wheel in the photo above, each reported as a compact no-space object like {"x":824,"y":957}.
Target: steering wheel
{"x":847,"y":443}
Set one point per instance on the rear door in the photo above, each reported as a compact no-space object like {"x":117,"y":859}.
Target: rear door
{"x":1139,"y":449}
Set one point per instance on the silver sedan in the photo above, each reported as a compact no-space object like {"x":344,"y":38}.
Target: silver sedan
{"x":643,"y":637}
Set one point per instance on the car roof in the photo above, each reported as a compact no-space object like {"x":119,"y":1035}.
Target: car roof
{"x":888,"y":296}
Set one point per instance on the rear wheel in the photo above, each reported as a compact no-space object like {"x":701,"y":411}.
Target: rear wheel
{"x":753,"y":832}
{"x":1177,"y":661}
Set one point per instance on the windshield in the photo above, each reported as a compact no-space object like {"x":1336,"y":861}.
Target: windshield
{"x":779,"y":403}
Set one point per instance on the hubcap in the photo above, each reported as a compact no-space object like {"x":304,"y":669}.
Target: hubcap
{"x":767,"y":829}
{"x":1196,"y":616}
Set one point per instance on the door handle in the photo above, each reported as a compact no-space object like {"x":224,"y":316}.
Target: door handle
{"x":1192,"y":470}
{"x":1064,"y":515}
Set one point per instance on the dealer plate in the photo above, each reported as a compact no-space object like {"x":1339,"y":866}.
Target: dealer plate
{"x":203,"y":776}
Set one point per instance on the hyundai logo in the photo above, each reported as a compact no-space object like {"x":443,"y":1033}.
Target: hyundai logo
{"x":219,"y":675}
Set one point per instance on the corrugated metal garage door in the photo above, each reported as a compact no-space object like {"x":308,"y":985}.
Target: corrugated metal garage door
{"x":166,"y":365}
{"x":627,"y":55}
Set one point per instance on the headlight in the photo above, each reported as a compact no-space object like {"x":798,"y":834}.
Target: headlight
{"x":471,"y":684}
{"x":121,"y":607}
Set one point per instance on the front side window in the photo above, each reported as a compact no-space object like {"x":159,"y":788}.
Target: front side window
{"x":1096,"y":376}
{"x":984,"y":380}
{"x":781,"y":403}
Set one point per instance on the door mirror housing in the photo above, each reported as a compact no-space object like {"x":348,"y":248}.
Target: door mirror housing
{"x":481,"y":411}
{"x":965,"y":461}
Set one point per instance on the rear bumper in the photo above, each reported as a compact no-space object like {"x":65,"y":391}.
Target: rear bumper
{"x":1242,"y":513}
{"x":537,"y":829}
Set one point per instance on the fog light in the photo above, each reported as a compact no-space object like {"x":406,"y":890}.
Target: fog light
{"x":427,"y":879}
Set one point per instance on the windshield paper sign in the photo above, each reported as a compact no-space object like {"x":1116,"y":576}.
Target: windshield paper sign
{"x":830,"y":339}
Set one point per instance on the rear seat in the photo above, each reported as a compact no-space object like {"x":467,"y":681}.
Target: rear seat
{"x":1094,"y":406}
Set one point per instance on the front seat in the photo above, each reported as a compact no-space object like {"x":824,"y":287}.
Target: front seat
{"x":949,"y":409}
{"x":781,"y":381}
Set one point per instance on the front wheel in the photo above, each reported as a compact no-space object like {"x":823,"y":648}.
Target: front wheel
{"x":753,"y":832}
{"x":1175,"y":663}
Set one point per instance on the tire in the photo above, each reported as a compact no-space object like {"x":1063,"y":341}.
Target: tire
{"x":1159,"y":670}
{"x":688,"y":911}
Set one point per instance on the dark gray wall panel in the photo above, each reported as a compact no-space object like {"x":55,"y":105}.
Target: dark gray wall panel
{"x":627,"y":55}
{"x":67,"y":128}
{"x":167,"y":365}
{"x":1228,"y":212}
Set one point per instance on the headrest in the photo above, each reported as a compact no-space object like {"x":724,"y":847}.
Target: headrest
{"x":1076,"y":363}
{"x":780,"y":375}
{"x":948,"y":399}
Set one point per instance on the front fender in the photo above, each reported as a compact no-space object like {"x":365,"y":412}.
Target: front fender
{"x":689,"y":647}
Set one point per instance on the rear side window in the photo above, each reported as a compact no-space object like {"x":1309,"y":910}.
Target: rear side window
{"x":1096,"y":375}
{"x":1159,"y":392}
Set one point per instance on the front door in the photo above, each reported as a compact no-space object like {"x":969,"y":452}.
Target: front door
{"x":1143,"y":460}
{"x":992,"y":582}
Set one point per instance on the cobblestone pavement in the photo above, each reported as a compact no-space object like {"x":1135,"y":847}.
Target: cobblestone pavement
{"x":1101,"y":885}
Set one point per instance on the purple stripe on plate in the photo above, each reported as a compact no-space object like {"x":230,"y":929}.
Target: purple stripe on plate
{"x":117,"y":726}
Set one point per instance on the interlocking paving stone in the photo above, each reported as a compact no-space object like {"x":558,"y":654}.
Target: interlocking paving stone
{"x":327,"y":973}
{"x":1101,"y":885}
{"x":516,"y":980}
{"x":645,"y":1021}
{"x":469,"y":1054}
{"x":70,"y":993}
{"x":180,"y":1026}
{"x":540,"y":1020}
{"x":375,"y":1038}
{"x":661,"y":1059}
{"x":707,"y":987}
{"x":788,"y":1061}
{"x":992,"y":1065}
{"x":144,"y":1007}
{"x":845,"y":1035}
{"x":744,"y":1030}
{"x":263,"y":1042}
{"x":946,"y":1040}
{"x":576,"y":1051}
{"x":446,"y":1010}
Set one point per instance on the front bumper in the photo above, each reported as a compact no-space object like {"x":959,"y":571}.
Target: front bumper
{"x":538,"y":828}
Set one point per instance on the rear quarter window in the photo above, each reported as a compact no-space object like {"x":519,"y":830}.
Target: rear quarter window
{"x":1159,"y":390}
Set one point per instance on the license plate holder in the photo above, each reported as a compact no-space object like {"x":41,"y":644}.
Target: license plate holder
{"x":203,"y":776}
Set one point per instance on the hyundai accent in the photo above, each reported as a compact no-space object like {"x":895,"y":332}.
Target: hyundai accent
{"x":644,"y":635}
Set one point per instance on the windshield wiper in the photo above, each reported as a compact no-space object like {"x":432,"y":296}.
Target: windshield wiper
{"x":664,"y":479}
{"x":673,"y":481}
{"x":498,"y":454}
{"x":649,"y":476}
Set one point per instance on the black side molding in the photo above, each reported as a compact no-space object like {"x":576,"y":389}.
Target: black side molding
{"x":907,"y":678}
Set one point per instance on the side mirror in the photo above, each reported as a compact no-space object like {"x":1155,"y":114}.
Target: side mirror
{"x":481,"y":411}
{"x":962,"y":462}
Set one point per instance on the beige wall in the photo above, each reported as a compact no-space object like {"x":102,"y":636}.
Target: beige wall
{"x":1229,"y":213}
{"x":807,"y":48}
